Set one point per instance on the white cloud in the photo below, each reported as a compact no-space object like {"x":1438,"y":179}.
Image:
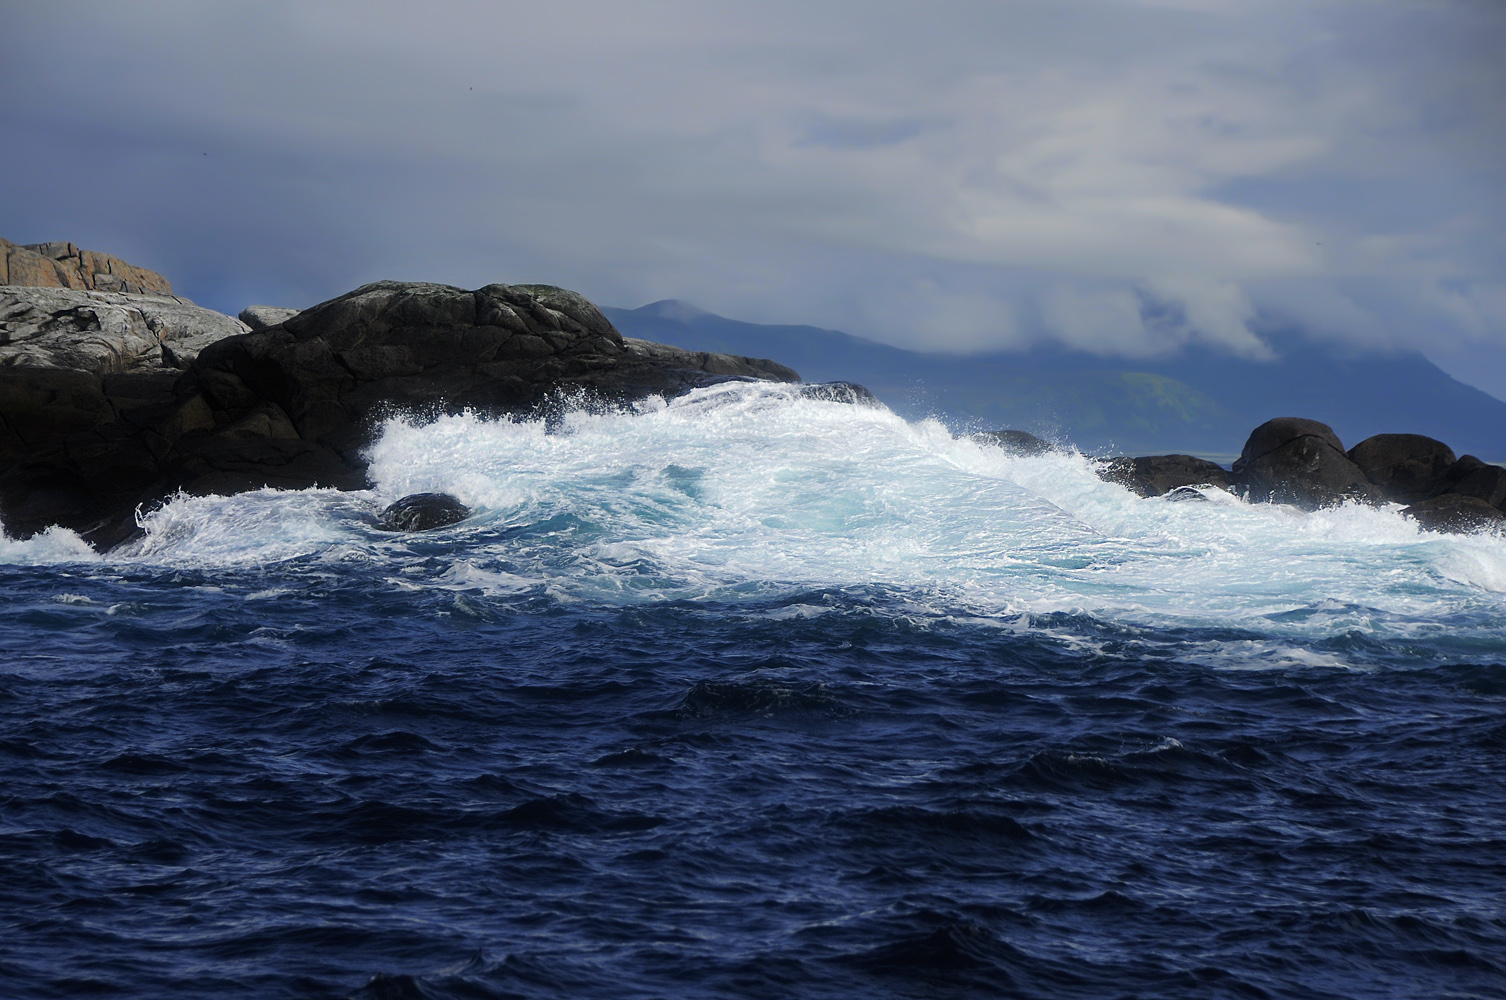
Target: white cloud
{"x":936,"y":176}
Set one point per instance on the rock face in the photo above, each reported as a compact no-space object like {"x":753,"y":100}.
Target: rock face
{"x":1157,"y":475}
{"x":104,"y":332}
{"x":422,"y":512}
{"x":1404,"y":466}
{"x":1300,"y":462}
{"x":1456,"y":512}
{"x":295,"y":404}
{"x":1015,"y":442}
{"x":63,"y":265}
{"x":1471,"y":477}
{"x":261,"y":317}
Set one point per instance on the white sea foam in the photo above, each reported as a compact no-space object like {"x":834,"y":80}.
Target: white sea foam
{"x":752,"y":491}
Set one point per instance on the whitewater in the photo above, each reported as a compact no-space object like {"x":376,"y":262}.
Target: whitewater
{"x":752,"y":693}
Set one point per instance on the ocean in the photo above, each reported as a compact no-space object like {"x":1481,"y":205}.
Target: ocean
{"x":752,"y":694}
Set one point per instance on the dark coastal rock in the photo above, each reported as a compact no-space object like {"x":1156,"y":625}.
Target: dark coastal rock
{"x":1015,"y":442}
{"x":1299,"y":462}
{"x":262,"y":317}
{"x":1403,"y":466}
{"x":1157,"y":475}
{"x":294,"y":405}
{"x":839,"y":392}
{"x":1473,"y":478}
{"x":422,"y":512}
{"x":1456,"y":512}
{"x":64,"y":265}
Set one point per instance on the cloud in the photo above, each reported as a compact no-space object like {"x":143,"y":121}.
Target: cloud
{"x":963,"y":176}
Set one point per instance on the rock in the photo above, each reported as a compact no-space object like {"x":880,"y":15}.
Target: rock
{"x":1403,"y":466}
{"x":838,"y":392}
{"x":1156,"y":475}
{"x":422,"y":512}
{"x":1471,"y":477}
{"x":1300,"y":462}
{"x":728,"y":365}
{"x":1456,"y":512}
{"x":63,"y":265}
{"x":104,"y":332}
{"x":1015,"y":442}
{"x":295,"y":405}
{"x":261,"y":317}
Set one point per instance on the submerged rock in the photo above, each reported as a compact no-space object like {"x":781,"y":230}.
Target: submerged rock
{"x":1015,"y":442}
{"x":1403,"y":466}
{"x":1156,"y":475}
{"x":423,"y":511}
{"x":1300,"y":462}
{"x":1456,"y":512}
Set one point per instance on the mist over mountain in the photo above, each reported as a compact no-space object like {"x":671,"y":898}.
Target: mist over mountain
{"x":1200,"y":401}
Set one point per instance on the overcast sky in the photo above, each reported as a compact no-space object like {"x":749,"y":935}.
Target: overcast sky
{"x":1124,"y":176}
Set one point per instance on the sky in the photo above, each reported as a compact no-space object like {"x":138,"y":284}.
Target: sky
{"x":1125,"y":177}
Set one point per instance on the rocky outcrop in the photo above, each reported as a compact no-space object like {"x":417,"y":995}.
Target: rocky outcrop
{"x":261,"y":317}
{"x":1299,"y":462}
{"x":104,"y":332}
{"x":1302,"y":462}
{"x":295,"y":404}
{"x":64,"y":265}
{"x":1158,"y":475}
{"x":1403,"y":466}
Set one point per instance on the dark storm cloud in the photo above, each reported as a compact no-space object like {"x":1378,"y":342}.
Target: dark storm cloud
{"x":957,"y":176}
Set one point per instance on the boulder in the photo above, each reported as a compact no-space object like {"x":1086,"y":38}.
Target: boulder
{"x":104,"y":332}
{"x":1157,"y":475}
{"x":423,"y":512}
{"x":261,"y":317}
{"x":64,"y":265}
{"x":1300,"y":462}
{"x":1015,"y":442}
{"x":296,"y":404}
{"x":1403,"y":466}
{"x":1456,"y":512}
{"x":1473,"y":478}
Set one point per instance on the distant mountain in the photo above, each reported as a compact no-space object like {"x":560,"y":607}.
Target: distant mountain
{"x":1199,"y":402}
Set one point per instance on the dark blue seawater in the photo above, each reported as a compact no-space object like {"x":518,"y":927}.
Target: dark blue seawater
{"x":539,"y":756}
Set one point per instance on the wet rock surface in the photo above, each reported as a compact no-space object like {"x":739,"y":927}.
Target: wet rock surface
{"x":1456,"y":512}
{"x":1157,"y":475}
{"x":423,"y":512}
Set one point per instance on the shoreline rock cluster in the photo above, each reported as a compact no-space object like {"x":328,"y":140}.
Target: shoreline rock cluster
{"x":88,"y":433}
{"x":1302,"y":463}
{"x":115,"y":393}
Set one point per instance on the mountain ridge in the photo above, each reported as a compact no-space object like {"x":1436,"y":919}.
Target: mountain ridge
{"x":1198,"y":402}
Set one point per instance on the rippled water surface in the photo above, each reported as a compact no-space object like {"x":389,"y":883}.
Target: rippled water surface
{"x":752,"y":695}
